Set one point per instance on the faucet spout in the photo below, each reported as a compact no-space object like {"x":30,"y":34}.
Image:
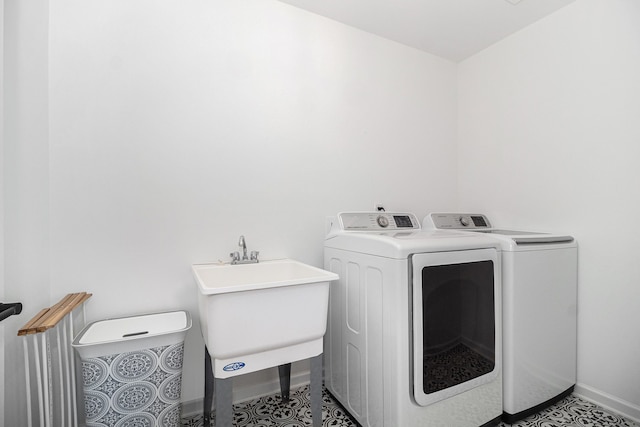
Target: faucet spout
{"x":236,"y":258}
{"x":243,"y":246}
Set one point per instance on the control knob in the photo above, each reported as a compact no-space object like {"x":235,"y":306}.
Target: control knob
{"x":382,"y":221}
{"x":463,"y":221}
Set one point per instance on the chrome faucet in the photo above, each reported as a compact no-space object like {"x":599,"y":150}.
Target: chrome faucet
{"x":235,"y":256}
{"x":243,"y":246}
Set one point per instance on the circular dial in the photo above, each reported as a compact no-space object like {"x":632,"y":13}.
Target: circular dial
{"x":382,"y":221}
{"x":463,"y":221}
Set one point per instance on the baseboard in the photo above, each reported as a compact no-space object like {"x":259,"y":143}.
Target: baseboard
{"x":609,"y":402}
{"x":246,"y":393}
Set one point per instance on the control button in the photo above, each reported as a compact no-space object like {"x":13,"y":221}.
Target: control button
{"x":382,"y":221}
{"x":463,"y":221}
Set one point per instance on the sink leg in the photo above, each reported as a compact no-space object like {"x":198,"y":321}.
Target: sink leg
{"x":285,"y":381}
{"x":316,"y":390}
{"x":224,"y":404}
{"x":208,"y":388}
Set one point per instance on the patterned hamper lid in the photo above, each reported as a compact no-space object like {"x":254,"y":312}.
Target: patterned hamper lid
{"x":113,"y":336}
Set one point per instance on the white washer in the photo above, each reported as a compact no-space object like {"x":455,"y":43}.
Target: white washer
{"x":414,"y":326}
{"x":539,"y":282}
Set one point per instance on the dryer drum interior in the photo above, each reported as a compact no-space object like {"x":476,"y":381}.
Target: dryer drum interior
{"x":458,"y":324}
{"x":454,"y":327}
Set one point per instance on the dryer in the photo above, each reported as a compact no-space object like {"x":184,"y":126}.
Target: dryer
{"x":539,"y":284}
{"x":414,"y":326}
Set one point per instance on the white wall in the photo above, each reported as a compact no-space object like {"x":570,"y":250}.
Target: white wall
{"x":25,"y":177}
{"x":2,"y":329}
{"x":177,"y":126}
{"x":549,"y":137}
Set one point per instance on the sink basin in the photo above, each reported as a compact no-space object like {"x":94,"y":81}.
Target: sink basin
{"x":223,"y":278}
{"x":255,"y":316}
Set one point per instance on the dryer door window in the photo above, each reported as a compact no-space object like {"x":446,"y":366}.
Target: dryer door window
{"x":455,"y":307}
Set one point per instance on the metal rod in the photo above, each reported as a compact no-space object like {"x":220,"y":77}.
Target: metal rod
{"x":72,"y":366}
{"x":38,"y":362}
{"x":285,"y":381}
{"x":315,"y":390}
{"x":208,"y":388}
{"x":65,"y":366}
{"x":28,"y":381}
{"x":45,"y":379}
{"x":223,"y":402}
{"x":60,"y":376}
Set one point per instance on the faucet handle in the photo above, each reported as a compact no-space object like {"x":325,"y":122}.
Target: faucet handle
{"x":254,"y":255}
{"x":235,"y":257}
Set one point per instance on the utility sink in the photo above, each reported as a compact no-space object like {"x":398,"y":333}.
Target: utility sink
{"x":255,"y":316}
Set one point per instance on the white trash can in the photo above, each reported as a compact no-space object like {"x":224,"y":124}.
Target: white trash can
{"x":132,"y":369}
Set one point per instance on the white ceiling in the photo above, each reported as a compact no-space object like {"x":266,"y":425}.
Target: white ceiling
{"x":452,"y":29}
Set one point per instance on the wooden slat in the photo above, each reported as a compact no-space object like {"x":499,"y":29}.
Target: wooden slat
{"x":49,"y":317}
{"x":62,"y":310}
{"x":85,"y":297}
{"x":31,"y":324}
{"x":53,"y":311}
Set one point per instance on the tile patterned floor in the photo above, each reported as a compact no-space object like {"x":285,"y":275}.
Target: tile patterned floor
{"x":269,"y":412}
{"x":574,"y":412}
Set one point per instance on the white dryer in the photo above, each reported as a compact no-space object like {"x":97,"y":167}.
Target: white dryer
{"x":539,"y":284}
{"x":414,"y":326}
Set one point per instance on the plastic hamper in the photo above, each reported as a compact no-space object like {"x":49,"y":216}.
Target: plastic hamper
{"x":132,"y":369}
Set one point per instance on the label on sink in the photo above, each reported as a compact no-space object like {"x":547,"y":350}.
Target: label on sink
{"x":234,"y":366}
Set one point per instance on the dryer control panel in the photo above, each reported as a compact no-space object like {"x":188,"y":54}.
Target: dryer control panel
{"x":378,"y":221}
{"x":458,"y":221}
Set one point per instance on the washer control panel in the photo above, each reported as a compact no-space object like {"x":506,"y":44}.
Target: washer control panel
{"x":378,"y":221}
{"x":459,"y":221}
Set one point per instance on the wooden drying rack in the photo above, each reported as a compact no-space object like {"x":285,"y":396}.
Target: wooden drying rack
{"x":47,"y":318}
{"x":49,"y":363}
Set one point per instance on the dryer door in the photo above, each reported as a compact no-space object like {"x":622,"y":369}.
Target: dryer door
{"x":456,"y":313}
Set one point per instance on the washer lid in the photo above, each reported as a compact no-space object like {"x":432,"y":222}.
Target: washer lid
{"x":528,"y":237}
{"x":480,"y":223}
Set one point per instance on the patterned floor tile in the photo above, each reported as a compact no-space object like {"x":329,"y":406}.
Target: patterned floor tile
{"x":268,"y":411}
{"x":574,"y":412}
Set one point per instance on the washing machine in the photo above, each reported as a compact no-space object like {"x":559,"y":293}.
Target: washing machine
{"x":539,"y":294}
{"x":414,"y":326}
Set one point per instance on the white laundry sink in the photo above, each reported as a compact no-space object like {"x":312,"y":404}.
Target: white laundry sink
{"x":255,"y":316}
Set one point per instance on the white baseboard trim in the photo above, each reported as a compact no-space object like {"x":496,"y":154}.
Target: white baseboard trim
{"x":246,"y":393}
{"x":609,"y":402}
